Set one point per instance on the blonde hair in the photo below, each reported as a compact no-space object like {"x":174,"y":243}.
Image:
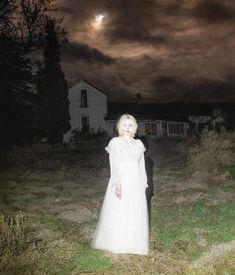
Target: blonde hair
{"x":121,"y":121}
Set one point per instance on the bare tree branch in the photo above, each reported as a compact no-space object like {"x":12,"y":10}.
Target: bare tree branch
{"x":6,"y":7}
{"x":25,"y":20}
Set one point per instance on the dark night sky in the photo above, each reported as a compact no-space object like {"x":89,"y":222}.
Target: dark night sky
{"x":168,"y":50}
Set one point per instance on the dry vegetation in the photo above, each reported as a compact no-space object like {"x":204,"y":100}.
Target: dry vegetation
{"x":50,"y":201}
{"x":212,"y":151}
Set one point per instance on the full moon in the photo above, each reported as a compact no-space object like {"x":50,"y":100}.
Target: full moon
{"x":99,"y":21}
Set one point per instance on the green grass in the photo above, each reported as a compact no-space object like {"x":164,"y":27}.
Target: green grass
{"x":51,"y":220}
{"x":81,"y":259}
{"x":230,"y":189}
{"x":91,"y":260}
{"x":178,"y":228}
{"x":230,"y":169}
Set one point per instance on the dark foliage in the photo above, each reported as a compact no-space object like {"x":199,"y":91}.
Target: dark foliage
{"x":53,"y":89}
{"x":22,"y":30}
{"x":16,"y":111}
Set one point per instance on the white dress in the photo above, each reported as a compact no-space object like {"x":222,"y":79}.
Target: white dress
{"x":123,"y":225}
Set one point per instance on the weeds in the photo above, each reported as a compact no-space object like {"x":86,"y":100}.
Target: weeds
{"x":37,"y":244}
{"x":213,"y":151}
{"x":12,"y":240}
{"x":12,"y":234}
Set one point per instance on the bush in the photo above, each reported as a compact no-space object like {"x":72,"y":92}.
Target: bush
{"x":78,"y":136}
{"x":212,"y":151}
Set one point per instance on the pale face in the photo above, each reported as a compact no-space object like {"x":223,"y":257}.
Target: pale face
{"x":127,"y":128}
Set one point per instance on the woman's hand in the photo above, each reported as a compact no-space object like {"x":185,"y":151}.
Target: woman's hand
{"x":118,"y":191}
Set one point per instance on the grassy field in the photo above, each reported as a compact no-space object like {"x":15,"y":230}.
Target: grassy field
{"x":50,"y":206}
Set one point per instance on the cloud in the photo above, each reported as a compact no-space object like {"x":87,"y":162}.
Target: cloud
{"x":76,"y":51}
{"x":165,"y":49}
{"x":137,"y":36}
{"x":214,"y":11}
{"x":168,"y":87}
{"x":131,"y":22}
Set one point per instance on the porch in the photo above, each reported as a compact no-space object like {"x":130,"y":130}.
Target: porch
{"x":153,"y":128}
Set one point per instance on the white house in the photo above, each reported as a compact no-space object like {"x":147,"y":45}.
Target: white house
{"x":87,"y":108}
{"x":91,"y":111}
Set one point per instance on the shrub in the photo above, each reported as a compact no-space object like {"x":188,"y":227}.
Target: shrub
{"x":212,"y":151}
{"x":78,"y":136}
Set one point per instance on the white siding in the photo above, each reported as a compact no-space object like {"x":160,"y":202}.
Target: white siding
{"x":96,"y":108}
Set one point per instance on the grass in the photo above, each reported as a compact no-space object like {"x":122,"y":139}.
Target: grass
{"x":181,"y":229}
{"x":72,"y":258}
{"x":50,"y":221}
{"x":230,"y":189}
{"x":176,"y":231}
{"x":180,"y":235}
{"x":12,"y":234}
{"x":87,"y":197}
{"x":53,"y":253}
{"x":230,"y":169}
{"x":224,"y":266}
{"x":214,"y":150}
{"x":91,"y":260}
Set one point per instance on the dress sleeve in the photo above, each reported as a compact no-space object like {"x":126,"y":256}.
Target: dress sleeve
{"x":142,"y":169}
{"x":113,"y":151}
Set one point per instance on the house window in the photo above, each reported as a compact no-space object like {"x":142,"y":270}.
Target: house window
{"x":85,"y":124}
{"x":83,"y":98}
{"x":151,"y":128}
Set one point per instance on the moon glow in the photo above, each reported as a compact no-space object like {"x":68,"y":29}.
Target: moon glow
{"x":98,"y":22}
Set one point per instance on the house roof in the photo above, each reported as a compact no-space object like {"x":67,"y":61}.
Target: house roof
{"x":86,"y":82}
{"x":177,"y":111}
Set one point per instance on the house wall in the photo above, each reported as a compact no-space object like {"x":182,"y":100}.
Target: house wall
{"x":96,"y":108}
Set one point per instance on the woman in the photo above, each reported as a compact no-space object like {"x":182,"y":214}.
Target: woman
{"x":123,"y":224}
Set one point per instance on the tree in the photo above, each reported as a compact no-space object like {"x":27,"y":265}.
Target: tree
{"x":53,"y":89}
{"x":15,"y":109}
{"x":22,"y":30}
{"x":25,"y":20}
{"x":7,"y":7}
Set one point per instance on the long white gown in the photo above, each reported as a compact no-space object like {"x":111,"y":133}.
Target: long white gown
{"x":123,"y":225}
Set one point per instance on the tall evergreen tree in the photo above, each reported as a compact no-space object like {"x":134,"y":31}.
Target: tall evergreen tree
{"x":53,"y":89}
